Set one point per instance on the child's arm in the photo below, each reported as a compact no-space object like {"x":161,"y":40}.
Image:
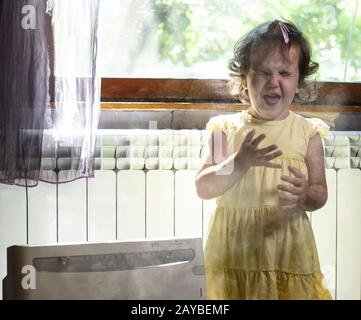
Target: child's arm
{"x":211,"y":179}
{"x":312,"y":194}
{"x":221,"y":171}
{"x":317,"y":187}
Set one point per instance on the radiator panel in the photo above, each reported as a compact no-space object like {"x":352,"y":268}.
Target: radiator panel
{"x":101,"y":206}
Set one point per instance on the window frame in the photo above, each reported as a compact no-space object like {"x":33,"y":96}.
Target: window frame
{"x":211,"y":94}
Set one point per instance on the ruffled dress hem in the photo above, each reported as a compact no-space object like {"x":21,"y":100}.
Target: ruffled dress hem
{"x":239,"y":284}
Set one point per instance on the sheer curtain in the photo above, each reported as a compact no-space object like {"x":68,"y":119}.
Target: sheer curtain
{"x":49,"y":90}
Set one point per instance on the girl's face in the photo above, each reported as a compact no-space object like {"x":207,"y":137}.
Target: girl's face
{"x":272,"y":81}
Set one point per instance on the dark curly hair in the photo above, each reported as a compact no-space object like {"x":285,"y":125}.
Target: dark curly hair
{"x":270,"y":32}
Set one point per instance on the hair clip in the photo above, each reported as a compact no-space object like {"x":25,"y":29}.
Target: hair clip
{"x":285,"y":31}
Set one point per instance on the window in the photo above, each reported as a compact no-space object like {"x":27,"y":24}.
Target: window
{"x":195,"y":38}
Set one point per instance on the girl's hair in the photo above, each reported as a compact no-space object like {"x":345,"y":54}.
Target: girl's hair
{"x":271,"y":33}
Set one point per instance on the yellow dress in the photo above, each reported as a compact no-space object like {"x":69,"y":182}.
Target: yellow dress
{"x":253,"y":250}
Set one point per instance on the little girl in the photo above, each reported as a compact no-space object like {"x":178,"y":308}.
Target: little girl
{"x":266,"y":173}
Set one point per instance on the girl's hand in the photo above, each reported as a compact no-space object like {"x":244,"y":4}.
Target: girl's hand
{"x":297,"y":191}
{"x":249,"y":154}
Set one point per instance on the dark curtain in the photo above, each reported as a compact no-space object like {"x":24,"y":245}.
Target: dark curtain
{"x":24,"y":78}
{"x":49,"y":90}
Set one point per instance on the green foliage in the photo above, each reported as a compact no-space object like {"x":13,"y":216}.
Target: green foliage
{"x":206,"y":30}
{"x":188,"y":34}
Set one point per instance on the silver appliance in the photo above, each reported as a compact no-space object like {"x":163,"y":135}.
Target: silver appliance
{"x":146,"y":269}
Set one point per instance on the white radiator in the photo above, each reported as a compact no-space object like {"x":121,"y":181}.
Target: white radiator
{"x":144,"y":187}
